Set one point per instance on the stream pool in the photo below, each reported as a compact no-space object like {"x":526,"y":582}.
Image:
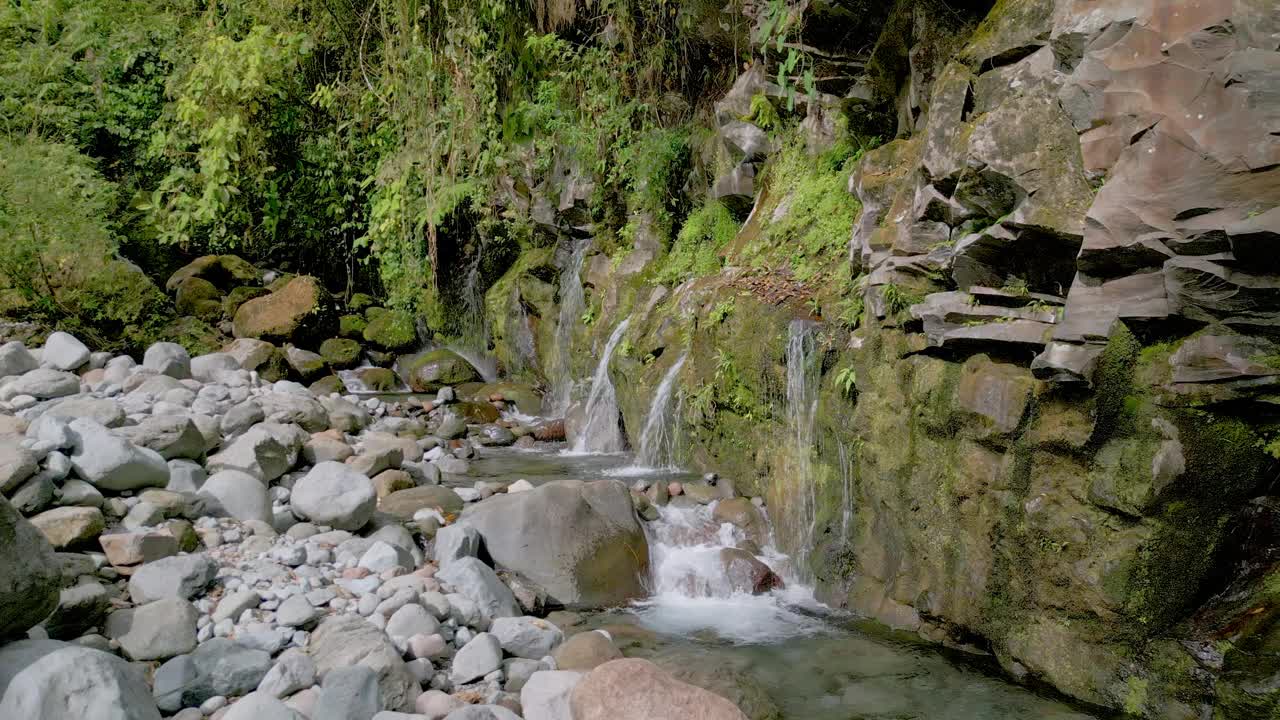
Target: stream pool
{"x":781,"y":654}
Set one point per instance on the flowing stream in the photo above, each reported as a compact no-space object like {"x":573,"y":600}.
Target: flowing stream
{"x":600,"y":432}
{"x":659,"y":441}
{"x":778,"y":654}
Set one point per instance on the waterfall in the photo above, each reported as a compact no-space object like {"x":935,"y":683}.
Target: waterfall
{"x":475,"y":329}
{"x":798,"y":496}
{"x":658,"y":440}
{"x":526,"y":352}
{"x":572,"y":304}
{"x":600,"y":432}
{"x":702,"y":580}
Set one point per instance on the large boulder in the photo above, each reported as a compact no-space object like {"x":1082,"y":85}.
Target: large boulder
{"x":169,"y":359}
{"x":343,"y":640}
{"x":155,"y":631}
{"x":333,"y":494}
{"x":301,"y":312}
{"x":172,"y":436}
{"x":62,"y":351}
{"x":15,"y":359}
{"x":67,"y":527}
{"x":236,"y":494}
{"x":404,"y":504}
{"x":481,"y":585}
{"x":110,"y":462}
{"x":50,"y":679}
{"x":263,"y":452}
{"x":222,"y":271}
{"x":432,"y":370}
{"x":579,"y":542}
{"x":634,"y":689}
{"x":218,"y":667}
{"x":43,"y":384}
{"x":29,"y":575}
{"x":181,"y":576}
{"x":391,"y":331}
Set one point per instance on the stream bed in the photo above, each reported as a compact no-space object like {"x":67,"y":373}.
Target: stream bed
{"x":779,"y":654}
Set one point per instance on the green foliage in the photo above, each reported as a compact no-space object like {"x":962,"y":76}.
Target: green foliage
{"x":762,"y":112}
{"x":721,"y":312}
{"x":58,"y":256}
{"x":820,"y":214}
{"x":896,"y":299}
{"x":696,"y":251}
{"x":847,"y":381}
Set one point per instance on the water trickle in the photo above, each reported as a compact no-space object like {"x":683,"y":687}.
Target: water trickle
{"x":572,"y":304}
{"x":659,"y":440}
{"x":797,"y":494}
{"x":475,"y":329}
{"x":600,"y":432}
{"x":526,"y":352}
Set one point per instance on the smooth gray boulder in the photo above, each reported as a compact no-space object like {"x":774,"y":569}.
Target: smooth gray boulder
{"x":104,"y":411}
{"x":29,"y":574}
{"x":217,"y":667}
{"x":343,"y":640}
{"x":335,"y":495}
{"x":62,"y":351}
{"x":260,"y":706}
{"x":172,"y":436}
{"x":186,"y":476}
{"x":236,"y":494}
{"x":110,"y":462}
{"x":526,"y":637}
{"x":207,"y":368}
{"x":410,"y":620}
{"x":181,"y":576}
{"x":349,"y":693}
{"x":156,"y":631}
{"x":545,"y":696}
{"x":482,"y":712}
{"x":579,"y":542}
{"x":296,"y":611}
{"x":15,"y":359}
{"x":294,"y":670}
{"x":16,"y":465}
{"x":454,"y":542}
{"x":479,"y":657}
{"x":258,"y":452}
{"x":479,"y":583}
{"x":43,"y":384}
{"x":169,"y":359}
{"x":42,"y":679}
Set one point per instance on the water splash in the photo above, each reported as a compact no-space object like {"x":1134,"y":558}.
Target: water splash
{"x":573,"y":304}
{"x":692,"y":590}
{"x":600,"y":432}
{"x":484,"y":363}
{"x":354,"y":382}
{"x":797,"y":495}
{"x":659,"y":441}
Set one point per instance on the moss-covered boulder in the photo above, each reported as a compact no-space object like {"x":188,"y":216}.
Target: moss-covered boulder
{"x":437,"y":368}
{"x":301,"y":312}
{"x":522,"y":395}
{"x":239,"y":296}
{"x":352,"y":326}
{"x":222,"y":271}
{"x":198,"y":297}
{"x":360,"y":301}
{"x":341,"y":352}
{"x":194,"y":334}
{"x":477,"y":412}
{"x":391,"y":331}
{"x":328,"y":385}
{"x":306,"y":364}
{"x":376,"y":379}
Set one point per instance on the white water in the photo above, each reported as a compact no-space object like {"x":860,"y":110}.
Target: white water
{"x":799,"y":497}
{"x":692,"y":593}
{"x":659,"y":442}
{"x":600,"y":432}
{"x":486,"y":365}
{"x":526,"y":355}
{"x":572,"y":304}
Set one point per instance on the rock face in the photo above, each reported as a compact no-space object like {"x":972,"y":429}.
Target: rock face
{"x":29,"y":577}
{"x":580,"y":543}
{"x":48,"y":679}
{"x":302,"y":312}
{"x":639,"y":690}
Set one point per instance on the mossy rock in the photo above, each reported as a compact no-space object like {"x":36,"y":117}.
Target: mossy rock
{"x":276,"y":367}
{"x":328,"y":385}
{"x":352,"y":326}
{"x":377,"y":379}
{"x":199,"y":297}
{"x":360,"y":301}
{"x":437,"y":368}
{"x":239,"y":296}
{"x":477,"y":412}
{"x":222,"y":271}
{"x":341,"y":352}
{"x":374,"y":312}
{"x":306,"y":364}
{"x":392,"y":331}
{"x":300,"y":312}
{"x":194,"y":334}
{"x":526,"y":399}
{"x":280,"y":282}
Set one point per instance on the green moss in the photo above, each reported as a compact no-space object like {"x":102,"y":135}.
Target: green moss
{"x":360,"y":301}
{"x":696,"y":251}
{"x":239,"y":296}
{"x":352,"y":326}
{"x":341,"y":352}
{"x":1113,"y":382}
{"x":392,"y":331}
{"x":1135,"y":699}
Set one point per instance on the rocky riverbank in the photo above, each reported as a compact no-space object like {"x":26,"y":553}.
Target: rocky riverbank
{"x":183,"y":537}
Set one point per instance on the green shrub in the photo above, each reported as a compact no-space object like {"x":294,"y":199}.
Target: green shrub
{"x":696,"y":251}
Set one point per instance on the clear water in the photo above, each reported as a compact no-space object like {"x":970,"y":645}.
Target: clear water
{"x":600,"y":432}
{"x":797,"y":658}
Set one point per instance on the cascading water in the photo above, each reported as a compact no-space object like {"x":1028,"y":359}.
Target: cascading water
{"x":573,"y":304}
{"x":796,"y":493}
{"x":526,"y":352}
{"x":659,"y":440}
{"x":600,"y":432}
